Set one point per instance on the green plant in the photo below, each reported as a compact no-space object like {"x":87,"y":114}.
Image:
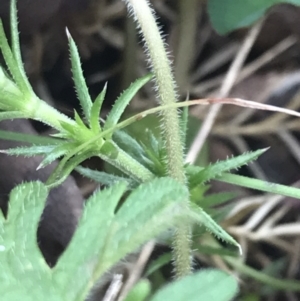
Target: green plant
{"x":228,"y":15}
{"x":164,"y":192}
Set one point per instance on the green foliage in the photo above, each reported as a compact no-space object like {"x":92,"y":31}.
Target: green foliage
{"x":217,"y":169}
{"x":139,"y":292}
{"x":148,"y":210}
{"x":79,"y":80}
{"x":95,"y":111}
{"x":227,"y":15}
{"x":210,"y":285}
{"x":79,"y":139}
{"x":153,"y":203}
{"x":122,"y":102}
{"x":22,"y":266}
{"x":105,"y":178}
{"x":211,"y":226}
{"x":260,"y":185}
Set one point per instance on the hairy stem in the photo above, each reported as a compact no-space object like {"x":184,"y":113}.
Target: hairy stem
{"x":129,"y":166}
{"x":170,"y":122}
{"x":41,"y":111}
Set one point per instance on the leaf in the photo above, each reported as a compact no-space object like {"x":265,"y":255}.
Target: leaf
{"x":211,"y":200}
{"x":77,"y":132}
{"x":10,"y":60}
{"x":125,"y":164}
{"x":56,"y":153}
{"x":24,"y":273}
{"x":104,"y":178}
{"x":155,"y":153}
{"x":28,"y":151}
{"x":140,"y":291}
{"x":227,"y":15}
{"x":65,"y":167}
{"x":260,"y":185}
{"x":95,"y":111}
{"x":28,"y":138}
{"x":79,"y":80}
{"x":204,"y":219}
{"x":76,"y":268}
{"x":209,"y":284}
{"x":149,"y":210}
{"x":12,"y":99}
{"x":25,"y":208}
{"x":216,"y":169}
{"x":158,"y":263}
{"x":219,"y":214}
{"x":16,"y":49}
{"x":132,"y":147}
{"x":109,"y":149}
{"x":79,"y":121}
{"x":275,"y":283}
{"x":209,"y":250}
{"x":70,"y":130}
{"x":123,"y":100}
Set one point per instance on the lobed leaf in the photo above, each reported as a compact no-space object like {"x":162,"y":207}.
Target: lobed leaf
{"x":148,"y":211}
{"x":75,"y":271}
{"x":24,"y":273}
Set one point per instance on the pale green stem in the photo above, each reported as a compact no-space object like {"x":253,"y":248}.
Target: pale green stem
{"x":129,"y":166}
{"x":170,"y":122}
{"x":41,"y":111}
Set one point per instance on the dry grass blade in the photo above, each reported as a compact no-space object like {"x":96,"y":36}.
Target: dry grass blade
{"x":114,"y":288}
{"x":137,"y":269}
{"x":247,"y":104}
